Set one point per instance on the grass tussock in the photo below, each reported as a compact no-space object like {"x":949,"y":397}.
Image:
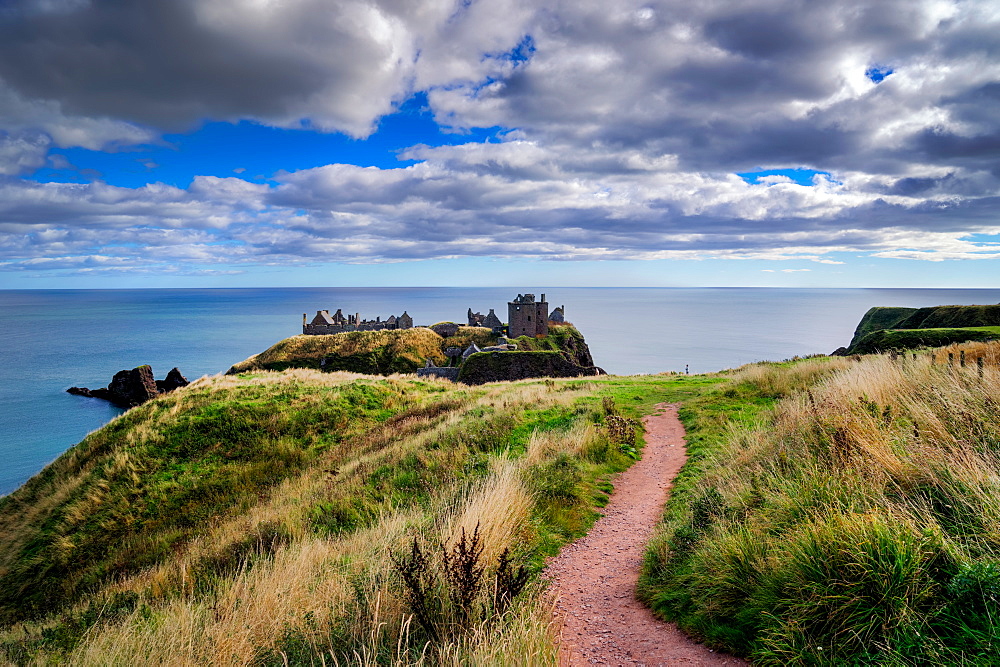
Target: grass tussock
{"x":853,"y":516}
{"x":259,"y":519}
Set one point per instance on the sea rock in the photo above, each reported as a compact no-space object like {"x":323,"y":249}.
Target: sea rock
{"x":129,"y":388}
{"x":174,"y":380}
{"x":133,"y":387}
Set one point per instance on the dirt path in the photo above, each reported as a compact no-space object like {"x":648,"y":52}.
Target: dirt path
{"x":594,"y":578}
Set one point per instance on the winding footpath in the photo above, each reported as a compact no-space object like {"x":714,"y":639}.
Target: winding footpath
{"x":594,"y":579}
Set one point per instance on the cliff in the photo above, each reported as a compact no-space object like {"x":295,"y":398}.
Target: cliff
{"x":564,"y":339}
{"x":911,"y":339}
{"x":884,"y":328}
{"x":260,"y":518}
{"x":879,"y":318}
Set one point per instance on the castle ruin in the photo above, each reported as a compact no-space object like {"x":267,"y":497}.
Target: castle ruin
{"x":324,"y":323}
{"x":527,"y":317}
{"x":491,"y":321}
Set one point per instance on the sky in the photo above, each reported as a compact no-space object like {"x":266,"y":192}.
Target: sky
{"x":231,"y":143}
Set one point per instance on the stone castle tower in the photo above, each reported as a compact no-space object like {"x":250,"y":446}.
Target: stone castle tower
{"x":527,"y":317}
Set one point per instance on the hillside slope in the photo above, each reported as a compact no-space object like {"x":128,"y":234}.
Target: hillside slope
{"x":404,"y":351}
{"x":912,"y":339}
{"x":951,"y":317}
{"x":954,"y":318}
{"x":877,"y":319}
{"x":840,"y":512}
{"x":277,"y":516}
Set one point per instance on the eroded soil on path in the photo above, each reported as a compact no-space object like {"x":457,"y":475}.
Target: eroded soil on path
{"x":594,"y":579}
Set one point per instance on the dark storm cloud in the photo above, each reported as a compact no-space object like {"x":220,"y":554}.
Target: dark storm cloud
{"x":172,"y":64}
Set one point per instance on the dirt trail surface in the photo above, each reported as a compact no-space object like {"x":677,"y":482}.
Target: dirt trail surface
{"x":594,"y":578}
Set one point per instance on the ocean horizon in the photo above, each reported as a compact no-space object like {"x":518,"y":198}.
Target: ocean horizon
{"x":54,"y":339}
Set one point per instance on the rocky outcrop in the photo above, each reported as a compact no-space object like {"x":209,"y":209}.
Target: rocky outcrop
{"x":129,"y":388}
{"x":174,"y":380}
{"x":577,"y":350}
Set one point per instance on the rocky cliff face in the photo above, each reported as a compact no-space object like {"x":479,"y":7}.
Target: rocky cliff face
{"x":129,"y":388}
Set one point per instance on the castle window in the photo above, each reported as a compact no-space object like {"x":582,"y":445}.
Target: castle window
{"x":529,"y":318}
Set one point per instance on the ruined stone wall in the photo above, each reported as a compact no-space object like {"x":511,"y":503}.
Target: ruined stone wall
{"x":327,"y":329}
{"x":439,"y":371}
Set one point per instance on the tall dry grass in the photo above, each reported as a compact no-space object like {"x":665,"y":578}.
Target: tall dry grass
{"x":870,"y":494}
{"x":315,"y":588}
{"x":266,"y":584}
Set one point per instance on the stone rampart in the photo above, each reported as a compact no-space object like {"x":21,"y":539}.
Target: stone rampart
{"x":327,"y":329}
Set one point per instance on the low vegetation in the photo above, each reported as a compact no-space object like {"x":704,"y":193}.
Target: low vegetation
{"x":840,"y":512}
{"x":298,"y":517}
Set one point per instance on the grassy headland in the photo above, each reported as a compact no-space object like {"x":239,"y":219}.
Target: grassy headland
{"x":910,"y":339}
{"x":372,"y":352}
{"x":271,"y":516}
{"x":399,"y":351}
{"x":849,"y":514}
{"x":889,"y":328}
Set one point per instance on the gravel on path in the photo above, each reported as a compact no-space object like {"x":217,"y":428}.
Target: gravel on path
{"x":594,"y":579}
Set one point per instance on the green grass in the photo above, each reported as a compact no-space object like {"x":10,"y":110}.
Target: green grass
{"x":151,"y":479}
{"x":837,"y":512}
{"x":175,"y":502}
{"x":879,"y":318}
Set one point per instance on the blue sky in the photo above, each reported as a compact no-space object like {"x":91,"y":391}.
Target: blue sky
{"x":443,"y":142}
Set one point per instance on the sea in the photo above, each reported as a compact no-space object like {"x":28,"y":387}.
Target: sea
{"x":51,"y":340}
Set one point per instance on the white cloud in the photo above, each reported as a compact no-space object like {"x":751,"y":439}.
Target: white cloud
{"x":627,"y":123}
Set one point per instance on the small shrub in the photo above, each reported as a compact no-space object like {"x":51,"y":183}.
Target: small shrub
{"x":622,"y":431}
{"x":448,"y":597}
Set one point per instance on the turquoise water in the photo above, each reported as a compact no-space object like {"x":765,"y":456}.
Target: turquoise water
{"x":53,"y":339}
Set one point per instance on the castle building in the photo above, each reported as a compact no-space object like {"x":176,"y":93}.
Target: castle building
{"x":324,"y":323}
{"x":527,"y":317}
{"x":490,"y":321}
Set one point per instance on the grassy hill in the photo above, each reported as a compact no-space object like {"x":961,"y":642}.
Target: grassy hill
{"x":400,"y":351}
{"x":839,"y":512}
{"x":879,"y":318}
{"x":938,"y":317}
{"x":964,"y":323}
{"x":266,"y":516}
{"x":912,"y":339}
{"x":832,"y":511}
{"x":373,"y":352}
